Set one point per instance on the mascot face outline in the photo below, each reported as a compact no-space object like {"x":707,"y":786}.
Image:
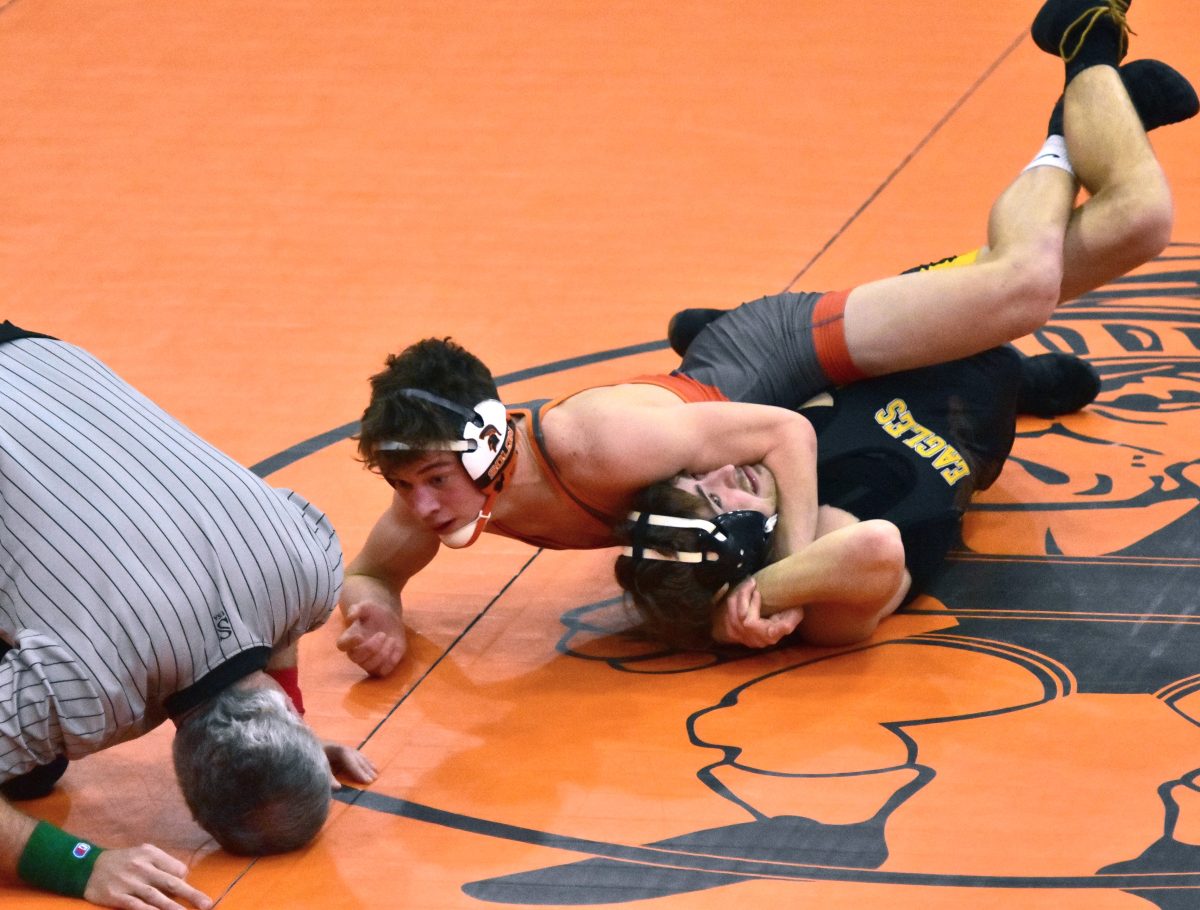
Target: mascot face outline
{"x":1130,"y":459}
{"x":492,"y":436}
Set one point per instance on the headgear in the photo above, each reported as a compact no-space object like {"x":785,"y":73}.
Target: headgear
{"x":735,"y":544}
{"x":487,"y":445}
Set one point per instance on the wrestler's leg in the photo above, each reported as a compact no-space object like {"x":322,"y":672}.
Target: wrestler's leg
{"x":1124,"y":224}
{"x":1120,"y":227}
{"x":1127,"y":221}
{"x":920,"y":318}
{"x":1040,"y":251}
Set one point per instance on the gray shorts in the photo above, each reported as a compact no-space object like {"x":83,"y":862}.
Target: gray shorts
{"x":761,"y":353}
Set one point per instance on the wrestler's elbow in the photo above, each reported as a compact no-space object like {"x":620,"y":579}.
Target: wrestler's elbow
{"x":878,"y":554}
{"x":795,"y":433}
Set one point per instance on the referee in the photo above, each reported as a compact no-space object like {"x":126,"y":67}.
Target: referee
{"x":146,"y":576}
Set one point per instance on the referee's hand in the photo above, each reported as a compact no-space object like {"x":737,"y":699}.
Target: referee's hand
{"x":142,"y":878}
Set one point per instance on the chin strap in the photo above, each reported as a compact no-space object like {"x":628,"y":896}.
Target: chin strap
{"x":463,"y":537}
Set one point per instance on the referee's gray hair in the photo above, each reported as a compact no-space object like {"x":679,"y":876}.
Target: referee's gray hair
{"x":254,"y":775}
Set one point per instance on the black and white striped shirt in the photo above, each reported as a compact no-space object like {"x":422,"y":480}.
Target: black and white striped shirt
{"x":140,"y":568}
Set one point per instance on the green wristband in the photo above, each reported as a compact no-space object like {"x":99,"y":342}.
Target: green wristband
{"x":57,"y":861}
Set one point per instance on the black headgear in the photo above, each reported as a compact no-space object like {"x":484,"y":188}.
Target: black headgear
{"x":735,"y":544}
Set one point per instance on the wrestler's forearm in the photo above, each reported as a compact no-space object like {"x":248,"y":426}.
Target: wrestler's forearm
{"x":374,"y":637}
{"x":360,"y":588}
{"x":861,"y":564}
{"x":793,"y":462}
{"x":395,"y":551}
{"x":846,"y":582}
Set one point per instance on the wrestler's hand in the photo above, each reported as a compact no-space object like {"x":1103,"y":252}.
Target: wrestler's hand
{"x":739,"y":620}
{"x":374,"y":637}
{"x":141,"y":878}
{"x":348,"y":762}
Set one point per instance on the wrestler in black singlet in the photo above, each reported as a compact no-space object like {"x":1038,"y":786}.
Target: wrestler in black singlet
{"x":875,"y":462}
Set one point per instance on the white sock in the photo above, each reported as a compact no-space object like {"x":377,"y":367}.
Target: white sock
{"x":1053,"y":154}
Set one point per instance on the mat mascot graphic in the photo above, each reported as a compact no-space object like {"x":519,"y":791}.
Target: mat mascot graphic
{"x":1054,"y":662}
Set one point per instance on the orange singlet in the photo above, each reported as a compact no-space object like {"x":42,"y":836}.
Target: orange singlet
{"x":596,"y":518}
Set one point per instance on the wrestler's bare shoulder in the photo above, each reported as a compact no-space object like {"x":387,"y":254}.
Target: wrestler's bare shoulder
{"x":602,"y":403}
{"x":594,"y":419}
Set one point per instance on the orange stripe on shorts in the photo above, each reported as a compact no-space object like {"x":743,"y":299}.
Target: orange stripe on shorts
{"x":829,"y":339}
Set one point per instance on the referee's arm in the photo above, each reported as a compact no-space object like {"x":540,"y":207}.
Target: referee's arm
{"x":15,"y":828}
{"x":343,"y":760}
{"x":113,"y":878}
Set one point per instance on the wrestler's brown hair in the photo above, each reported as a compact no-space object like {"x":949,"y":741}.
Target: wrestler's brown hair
{"x":437,"y":365}
{"x":673,"y":601}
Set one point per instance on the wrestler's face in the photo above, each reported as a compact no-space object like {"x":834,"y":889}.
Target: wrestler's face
{"x":438,"y":492}
{"x":731,"y":488}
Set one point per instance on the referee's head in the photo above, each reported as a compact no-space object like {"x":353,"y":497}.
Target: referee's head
{"x":254,"y":775}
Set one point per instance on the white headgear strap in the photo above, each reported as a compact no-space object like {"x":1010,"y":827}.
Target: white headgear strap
{"x":488,"y":448}
{"x":670,"y":521}
{"x":487,"y":437}
{"x":737,"y":541}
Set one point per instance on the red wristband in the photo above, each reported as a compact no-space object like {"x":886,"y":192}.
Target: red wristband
{"x":289,"y":679}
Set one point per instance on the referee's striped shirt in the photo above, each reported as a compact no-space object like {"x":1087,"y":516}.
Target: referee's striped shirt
{"x":140,"y":568}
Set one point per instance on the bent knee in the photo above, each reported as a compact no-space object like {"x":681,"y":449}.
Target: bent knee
{"x":1032,"y":286}
{"x":1140,"y":214}
{"x":1147,"y":229}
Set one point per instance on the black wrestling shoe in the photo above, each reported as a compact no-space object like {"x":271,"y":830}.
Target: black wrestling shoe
{"x":687,"y":324}
{"x":36,"y":783}
{"x":1061,"y":26}
{"x":1161,"y":95}
{"x":1055,"y":384}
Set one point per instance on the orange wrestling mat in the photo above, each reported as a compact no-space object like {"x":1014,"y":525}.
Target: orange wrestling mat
{"x":244,"y":207}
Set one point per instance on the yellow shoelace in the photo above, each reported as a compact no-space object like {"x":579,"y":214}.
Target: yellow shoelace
{"x":1114,"y":9}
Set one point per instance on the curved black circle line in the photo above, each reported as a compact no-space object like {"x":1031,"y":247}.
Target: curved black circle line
{"x":722,"y":865}
{"x":314,"y":444}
